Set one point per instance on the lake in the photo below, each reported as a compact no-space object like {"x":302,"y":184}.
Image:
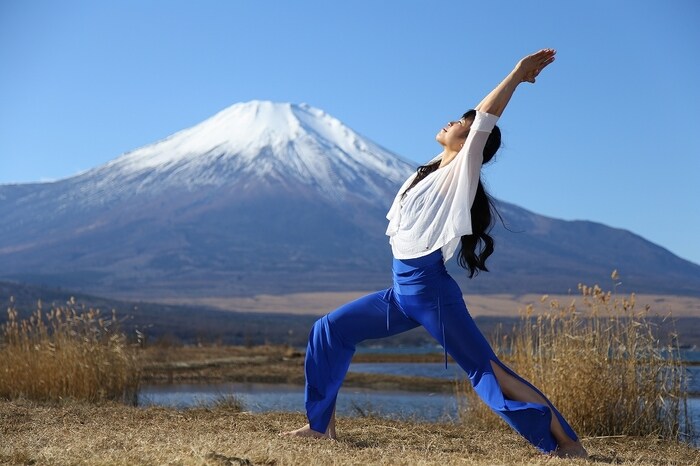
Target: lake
{"x":258,"y":397}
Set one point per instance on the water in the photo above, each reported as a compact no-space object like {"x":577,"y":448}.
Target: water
{"x":694,"y":380}
{"x":258,"y":397}
{"x":690,"y":355}
{"x":436,"y":370}
{"x":277,"y":397}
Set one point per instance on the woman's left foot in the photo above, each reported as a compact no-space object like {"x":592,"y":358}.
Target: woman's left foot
{"x":571,"y":450}
{"x":307,"y":431}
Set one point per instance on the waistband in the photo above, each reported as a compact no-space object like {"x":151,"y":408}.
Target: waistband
{"x":421,"y":261}
{"x":412,"y":276}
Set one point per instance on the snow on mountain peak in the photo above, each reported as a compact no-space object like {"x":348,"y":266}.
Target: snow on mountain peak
{"x":259,"y":139}
{"x":242,"y":127}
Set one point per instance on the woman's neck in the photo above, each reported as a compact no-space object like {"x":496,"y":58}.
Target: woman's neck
{"x":446,"y":157}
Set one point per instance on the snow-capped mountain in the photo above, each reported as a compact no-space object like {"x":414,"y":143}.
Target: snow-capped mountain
{"x":252,"y":142}
{"x":247,"y":144}
{"x":270,"y":197}
{"x":258,"y":183}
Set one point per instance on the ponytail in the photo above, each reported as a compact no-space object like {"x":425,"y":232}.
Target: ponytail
{"x":478,"y":246}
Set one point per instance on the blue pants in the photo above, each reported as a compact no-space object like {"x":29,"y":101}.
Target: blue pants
{"x":423,"y":293}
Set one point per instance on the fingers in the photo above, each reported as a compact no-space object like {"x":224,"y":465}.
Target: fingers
{"x":547,"y":56}
{"x":533,"y":64}
{"x":544,"y":53}
{"x":546,"y":62}
{"x":546,"y":59}
{"x":540,"y":59}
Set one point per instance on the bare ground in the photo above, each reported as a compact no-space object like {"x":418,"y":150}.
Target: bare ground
{"x":77,"y":433}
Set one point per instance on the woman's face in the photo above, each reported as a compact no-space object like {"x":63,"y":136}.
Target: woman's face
{"x":453,"y":135}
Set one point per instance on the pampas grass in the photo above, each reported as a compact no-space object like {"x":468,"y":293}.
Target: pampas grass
{"x":67,"y":352}
{"x":600,"y":362}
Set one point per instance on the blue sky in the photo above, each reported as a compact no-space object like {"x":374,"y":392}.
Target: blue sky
{"x":609,"y":133}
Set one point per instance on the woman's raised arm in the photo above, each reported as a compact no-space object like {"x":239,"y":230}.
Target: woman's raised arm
{"x":527,"y":69}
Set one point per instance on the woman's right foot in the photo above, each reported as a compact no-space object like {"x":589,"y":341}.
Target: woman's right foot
{"x":307,"y":431}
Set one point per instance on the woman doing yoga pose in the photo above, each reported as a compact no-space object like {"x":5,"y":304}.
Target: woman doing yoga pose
{"x":440,"y":206}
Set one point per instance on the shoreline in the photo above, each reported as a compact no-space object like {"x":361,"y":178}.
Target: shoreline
{"x":275,"y":365}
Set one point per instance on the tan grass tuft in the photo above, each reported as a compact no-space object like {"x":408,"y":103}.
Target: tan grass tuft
{"x":600,"y":362}
{"x":68,"y":352}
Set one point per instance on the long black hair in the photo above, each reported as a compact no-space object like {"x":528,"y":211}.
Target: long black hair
{"x":478,"y":246}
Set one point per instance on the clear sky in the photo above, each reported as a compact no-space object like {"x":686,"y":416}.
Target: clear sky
{"x":610,"y":132}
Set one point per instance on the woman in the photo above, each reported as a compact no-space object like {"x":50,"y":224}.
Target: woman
{"x":438,"y":207}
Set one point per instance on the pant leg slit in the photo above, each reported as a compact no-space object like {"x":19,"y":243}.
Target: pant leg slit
{"x":547,"y":410}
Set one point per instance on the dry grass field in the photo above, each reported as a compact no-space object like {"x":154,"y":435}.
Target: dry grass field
{"x":479,"y":305}
{"x":78,"y":433}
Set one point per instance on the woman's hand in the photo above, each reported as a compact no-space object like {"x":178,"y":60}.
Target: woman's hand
{"x":529,"y":67}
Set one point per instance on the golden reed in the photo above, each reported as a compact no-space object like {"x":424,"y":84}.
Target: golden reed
{"x":68,"y":352}
{"x":600,"y":362}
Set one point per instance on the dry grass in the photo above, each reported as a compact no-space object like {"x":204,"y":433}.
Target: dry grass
{"x":114,"y":434}
{"x":66,"y":353}
{"x":600,"y":363}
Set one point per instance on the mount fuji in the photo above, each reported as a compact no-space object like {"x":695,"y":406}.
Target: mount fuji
{"x":274,"y":198}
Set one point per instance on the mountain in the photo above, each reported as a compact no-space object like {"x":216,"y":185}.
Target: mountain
{"x":270,"y":197}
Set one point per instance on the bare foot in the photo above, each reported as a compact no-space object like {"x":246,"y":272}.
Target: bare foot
{"x":571,"y":450}
{"x":307,"y":431}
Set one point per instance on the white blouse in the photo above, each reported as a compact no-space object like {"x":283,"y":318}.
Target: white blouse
{"x":437,"y":211}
